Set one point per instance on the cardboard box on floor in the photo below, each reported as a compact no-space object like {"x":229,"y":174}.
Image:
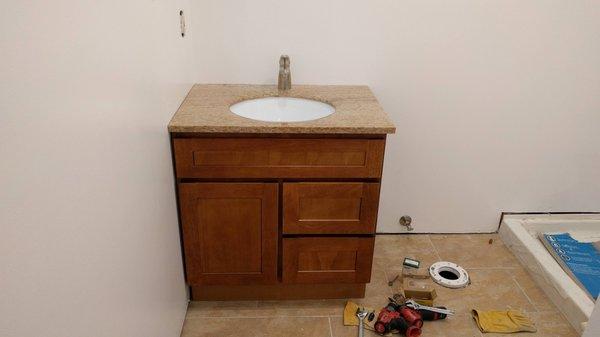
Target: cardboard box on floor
{"x":420,"y":290}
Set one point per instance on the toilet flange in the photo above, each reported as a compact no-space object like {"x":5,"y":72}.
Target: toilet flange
{"x":439,"y":268}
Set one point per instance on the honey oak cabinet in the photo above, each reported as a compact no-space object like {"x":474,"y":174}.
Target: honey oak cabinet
{"x":264,"y":216}
{"x":229,"y":232}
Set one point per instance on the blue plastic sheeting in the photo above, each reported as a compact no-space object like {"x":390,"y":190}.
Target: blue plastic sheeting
{"x":581,"y":260}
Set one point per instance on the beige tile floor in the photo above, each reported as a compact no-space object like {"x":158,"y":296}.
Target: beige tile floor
{"x":498,"y":282}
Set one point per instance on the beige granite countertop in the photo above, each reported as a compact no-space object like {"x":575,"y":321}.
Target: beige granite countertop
{"x":206,"y":110}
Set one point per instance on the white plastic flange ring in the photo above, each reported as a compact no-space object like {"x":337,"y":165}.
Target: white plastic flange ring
{"x":441,"y":268}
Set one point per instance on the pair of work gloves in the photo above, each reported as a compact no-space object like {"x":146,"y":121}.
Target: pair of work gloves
{"x":506,"y":321}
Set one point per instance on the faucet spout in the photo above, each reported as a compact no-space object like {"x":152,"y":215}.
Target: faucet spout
{"x":285,"y":75}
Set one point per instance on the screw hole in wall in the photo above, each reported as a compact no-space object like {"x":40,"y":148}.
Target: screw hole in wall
{"x":182,"y":23}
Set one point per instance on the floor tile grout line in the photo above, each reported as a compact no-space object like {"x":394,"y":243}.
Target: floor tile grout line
{"x":525,"y":293}
{"x":488,"y":268}
{"x":390,"y":289}
{"x":474,"y":268}
{"x":261,"y":317}
{"x":330,"y":327}
{"x":385,"y":274}
{"x":437,"y":253}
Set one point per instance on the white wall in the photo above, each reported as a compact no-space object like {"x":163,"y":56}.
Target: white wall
{"x":497,"y":102}
{"x":89,"y":244}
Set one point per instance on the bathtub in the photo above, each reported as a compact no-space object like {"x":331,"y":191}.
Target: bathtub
{"x":520,"y":233}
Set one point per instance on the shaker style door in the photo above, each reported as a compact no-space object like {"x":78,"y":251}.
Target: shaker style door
{"x":229,"y":232}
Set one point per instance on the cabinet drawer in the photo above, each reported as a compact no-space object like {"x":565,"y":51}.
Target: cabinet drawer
{"x":278,"y":158}
{"x":327,"y":259}
{"x":330,"y":208}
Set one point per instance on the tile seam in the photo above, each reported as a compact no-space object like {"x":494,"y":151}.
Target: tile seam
{"x":437,"y":253}
{"x":525,"y":293}
{"x":385,"y":275}
{"x":487,"y":268}
{"x":261,"y":317}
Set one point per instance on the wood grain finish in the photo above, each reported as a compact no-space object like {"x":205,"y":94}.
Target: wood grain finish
{"x":278,"y":158}
{"x":240,"y":196}
{"x":229,"y":232}
{"x":327,"y":259}
{"x":330,"y":208}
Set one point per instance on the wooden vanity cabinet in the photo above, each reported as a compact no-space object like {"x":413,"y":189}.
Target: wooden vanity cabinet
{"x":263,"y":216}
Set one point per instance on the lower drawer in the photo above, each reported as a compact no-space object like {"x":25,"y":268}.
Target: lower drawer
{"x":327,"y":259}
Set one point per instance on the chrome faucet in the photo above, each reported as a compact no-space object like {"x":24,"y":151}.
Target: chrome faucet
{"x":285,"y":76}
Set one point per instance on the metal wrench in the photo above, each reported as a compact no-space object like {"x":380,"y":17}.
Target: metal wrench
{"x":414,"y":305}
{"x":361,"y":314}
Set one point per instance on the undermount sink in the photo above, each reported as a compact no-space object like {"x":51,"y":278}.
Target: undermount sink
{"x":282,"y":109}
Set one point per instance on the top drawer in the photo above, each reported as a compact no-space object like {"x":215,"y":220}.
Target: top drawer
{"x":278,"y":158}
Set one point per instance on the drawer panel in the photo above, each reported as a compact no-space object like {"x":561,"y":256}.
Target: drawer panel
{"x":327,"y":259}
{"x":278,"y":158}
{"x":330,"y":208}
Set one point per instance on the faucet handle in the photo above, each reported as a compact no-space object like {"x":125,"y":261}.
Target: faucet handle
{"x":284,"y":61}
{"x":285,"y":77}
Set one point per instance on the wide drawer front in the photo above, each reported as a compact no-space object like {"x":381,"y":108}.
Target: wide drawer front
{"x":330,"y":208}
{"x":278,"y":158}
{"x":327,"y":259}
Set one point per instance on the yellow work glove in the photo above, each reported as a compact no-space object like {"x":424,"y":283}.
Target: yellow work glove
{"x":350,"y":316}
{"x":350,"y":313}
{"x":508,"y":321}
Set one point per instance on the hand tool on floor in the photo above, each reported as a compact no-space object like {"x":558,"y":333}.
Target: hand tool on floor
{"x":350,"y":318}
{"x":396,"y":316}
{"x":361,"y":313}
{"x":427,"y":315}
{"x":414,"y":305}
{"x":411,"y":316}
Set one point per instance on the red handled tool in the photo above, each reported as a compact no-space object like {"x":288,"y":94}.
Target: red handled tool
{"x":390,"y":318}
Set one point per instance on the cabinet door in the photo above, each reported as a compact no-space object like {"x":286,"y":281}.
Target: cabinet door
{"x":229,"y":232}
{"x":330,"y":208}
{"x":327,"y":259}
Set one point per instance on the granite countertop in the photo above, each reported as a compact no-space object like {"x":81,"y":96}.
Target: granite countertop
{"x":206,"y":110}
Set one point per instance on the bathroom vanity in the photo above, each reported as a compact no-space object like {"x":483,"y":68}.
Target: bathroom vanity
{"x":277,"y":210}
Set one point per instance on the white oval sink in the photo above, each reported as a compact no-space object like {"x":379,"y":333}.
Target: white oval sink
{"x":282,"y":109}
